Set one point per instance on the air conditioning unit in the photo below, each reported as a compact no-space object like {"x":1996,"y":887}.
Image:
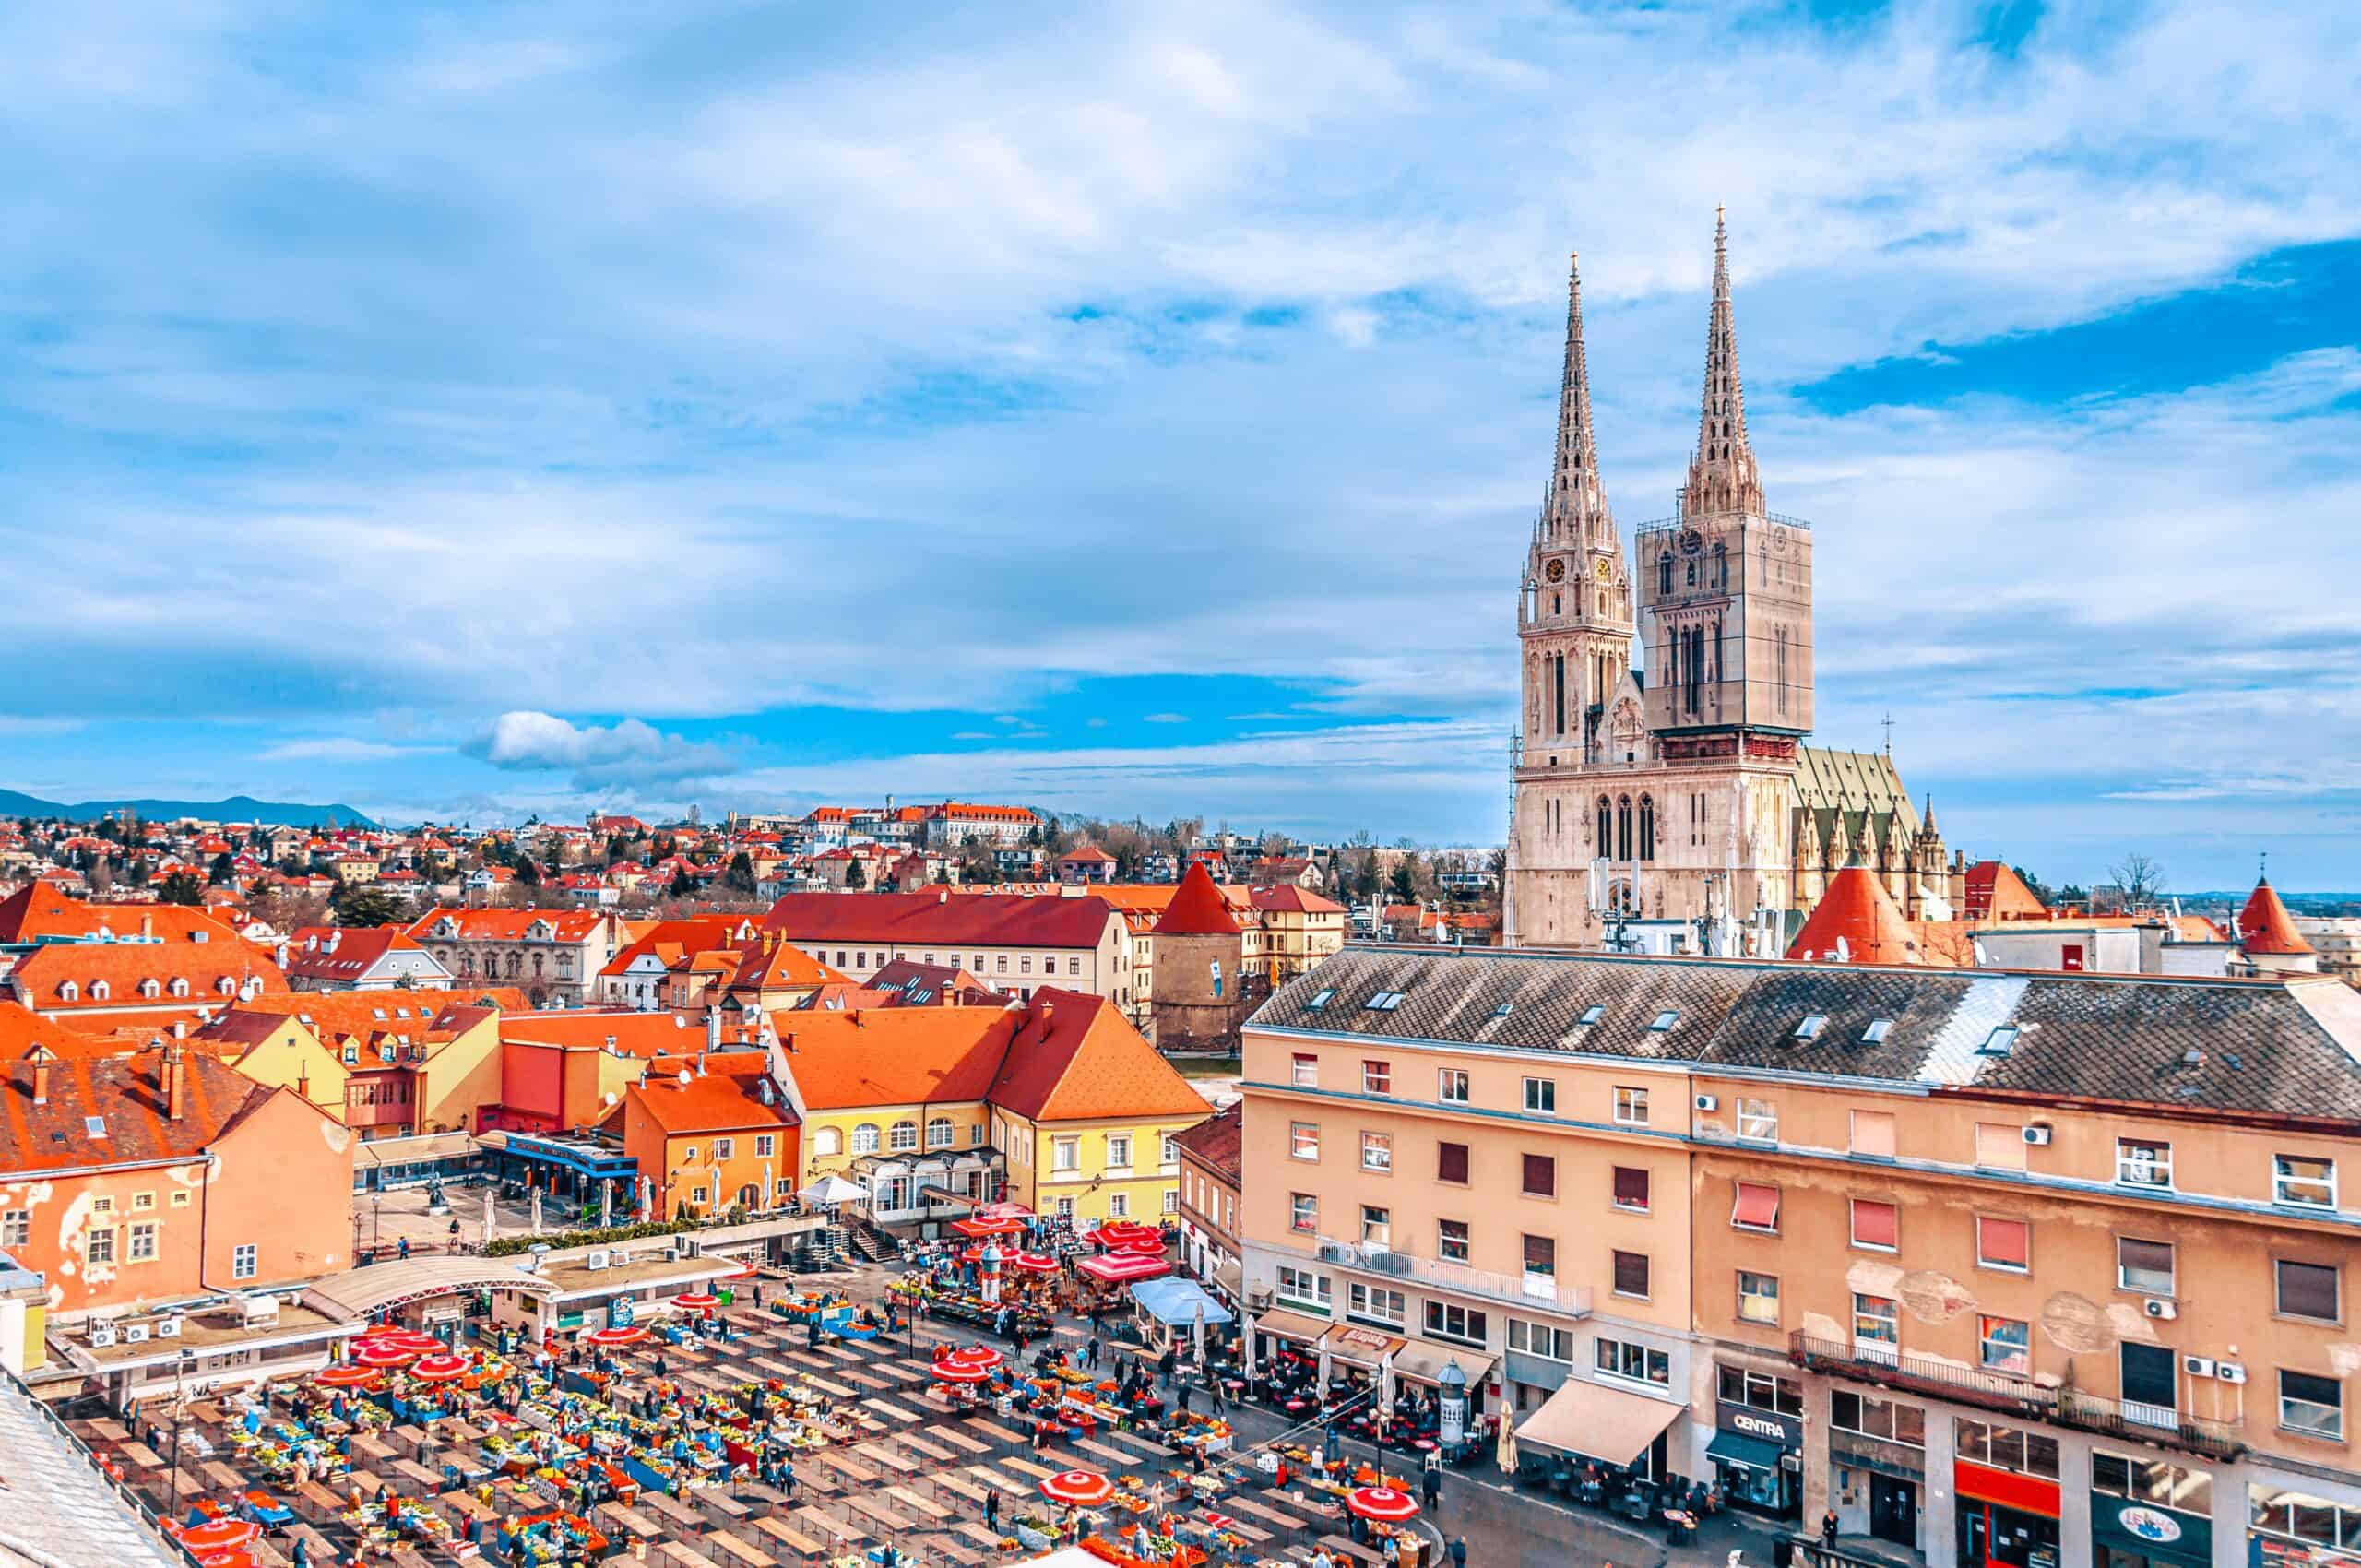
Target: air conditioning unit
{"x":1709,"y":1102}
{"x":2156,"y":1306}
{"x":258,"y":1309}
{"x":1258,"y":1299}
{"x":2037,"y":1134}
{"x":169,"y":1327}
{"x":137,"y":1334}
{"x":103,"y":1335}
{"x":597,"y":1260}
{"x":2230,"y":1372}
{"x":2197,"y":1366}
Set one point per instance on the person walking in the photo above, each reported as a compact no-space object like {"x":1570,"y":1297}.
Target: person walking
{"x":1430,"y":1482}
{"x":1459,"y":1552}
{"x":992,"y":1510}
{"x":1091,"y":1351}
{"x":1828,"y":1528}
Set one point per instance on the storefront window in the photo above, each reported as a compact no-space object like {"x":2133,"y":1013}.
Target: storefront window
{"x":2152,"y":1481}
{"x":2292,"y":1516}
{"x":1760,"y":1390}
{"x":1888,"y":1420}
{"x":2006,"y":1448}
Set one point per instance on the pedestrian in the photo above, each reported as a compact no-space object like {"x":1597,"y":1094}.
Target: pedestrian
{"x":1828,"y":1528}
{"x":401,"y":1249}
{"x":301,"y":1557}
{"x":992,"y":1511}
{"x":1459,"y":1552}
{"x":1430,"y":1482}
{"x":1090,"y":1352}
{"x":1221,"y":1403}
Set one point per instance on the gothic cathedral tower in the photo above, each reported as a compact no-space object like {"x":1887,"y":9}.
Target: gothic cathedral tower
{"x":1661,"y":805}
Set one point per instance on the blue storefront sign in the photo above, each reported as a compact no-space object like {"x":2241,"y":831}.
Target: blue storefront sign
{"x":2158,"y":1534}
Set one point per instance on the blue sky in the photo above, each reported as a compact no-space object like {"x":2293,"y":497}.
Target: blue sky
{"x":502,"y":408}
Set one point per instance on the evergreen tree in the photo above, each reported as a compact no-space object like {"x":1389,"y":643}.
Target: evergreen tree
{"x":223,"y":870}
{"x":180,"y":887}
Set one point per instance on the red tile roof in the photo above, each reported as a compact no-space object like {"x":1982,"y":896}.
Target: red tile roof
{"x":1996,"y":892}
{"x":38,"y":910}
{"x":894,"y":1055}
{"x":1294,"y":899}
{"x":727,"y":1097}
{"x":41,"y":978}
{"x":124,"y":1094}
{"x":1076,"y":1058}
{"x":332,"y":954}
{"x":1217,"y":1142}
{"x":943,"y":917}
{"x":2265,"y":926}
{"x":1858,"y":911}
{"x":507,"y":925}
{"x":1197,"y":908}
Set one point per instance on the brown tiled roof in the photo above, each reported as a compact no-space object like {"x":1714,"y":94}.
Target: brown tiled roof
{"x":123,"y":1094}
{"x":1217,"y":1142}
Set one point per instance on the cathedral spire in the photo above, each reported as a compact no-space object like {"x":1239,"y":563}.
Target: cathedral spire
{"x":1722,"y":475}
{"x":1575,"y":510}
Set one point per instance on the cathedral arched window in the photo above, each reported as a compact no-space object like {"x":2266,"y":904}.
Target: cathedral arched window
{"x":1664,"y":573}
{"x":1721,"y":565}
{"x":1605,"y":827}
{"x":1647,"y":829}
{"x":1623,"y":828}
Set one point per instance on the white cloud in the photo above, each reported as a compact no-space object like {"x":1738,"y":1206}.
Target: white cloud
{"x":629,"y":753}
{"x":337,"y":748}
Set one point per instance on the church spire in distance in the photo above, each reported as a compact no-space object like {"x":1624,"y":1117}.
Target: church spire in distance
{"x":1722,"y":475}
{"x":1574,"y":512}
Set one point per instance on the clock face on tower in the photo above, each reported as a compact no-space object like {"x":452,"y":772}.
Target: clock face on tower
{"x":1603,"y":569}
{"x":1555,"y":571}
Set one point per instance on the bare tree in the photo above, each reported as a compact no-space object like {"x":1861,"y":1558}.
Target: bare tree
{"x":2142,"y":879}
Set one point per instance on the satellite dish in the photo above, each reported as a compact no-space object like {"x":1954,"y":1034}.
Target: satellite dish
{"x":679,"y":1022}
{"x":684,"y":1078}
{"x":608,"y":1098}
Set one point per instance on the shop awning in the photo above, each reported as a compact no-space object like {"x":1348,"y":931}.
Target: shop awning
{"x":414,"y":1150}
{"x":1424,"y":1363}
{"x":1178,"y":1302}
{"x":1364,"y":1348}
{"x":1291,"y":1325}
{"x":1229,"y":1276}
{"x":1737,"y":1448}
{"x":1598,"y":1422}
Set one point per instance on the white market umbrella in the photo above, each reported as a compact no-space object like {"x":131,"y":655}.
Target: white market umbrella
{"x":490,"y":1224}
{"x":1507,"y":1451}
{"x":834,"y":1190}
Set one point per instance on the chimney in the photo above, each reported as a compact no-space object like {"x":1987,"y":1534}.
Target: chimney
{"x":175,"y":1083}
{"x":147,"y":927}
{"x":180,"y":1028}
{"x":713,"y":1028}
{"x":42,"y":1057}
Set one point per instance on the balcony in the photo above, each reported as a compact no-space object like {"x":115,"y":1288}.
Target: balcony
{"x":1881,"y":1365}
{"x":1531,"y":1291}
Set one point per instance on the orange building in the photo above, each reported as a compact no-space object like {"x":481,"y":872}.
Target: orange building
{"x":98,"y":987}
{"x":2001,"y":1268}
{"x":712,"y":1136}
{"x":165,"y":1176}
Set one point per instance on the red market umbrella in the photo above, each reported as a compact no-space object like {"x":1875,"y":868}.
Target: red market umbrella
{"x":1080,"y":1488}
{"x":224,"y":1560}
{"x":442,"y":1369}
{"x":614,"y":1334}
{"x":1123,"y":1268}
{"x":1118,"y":1233}
{"x":1382,"y":1503}
{"x":377,"y":1354}
{"x":346,"y":1377}
{"x":983,"y":1358}
{"x":953,"y":1372}
{"x":695,"y":1301}
{"x":1005,"y":1211}
{"x":1029,"y":1263}
{"x":401,"y":1338}
{"x":219,"y":1534}
{"x":979,"y":1227}
{"x":1154,"y":1248}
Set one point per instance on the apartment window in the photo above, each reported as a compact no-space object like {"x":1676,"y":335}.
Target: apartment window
{"x":766,"y":1145}
{"x":2003,"y":1243}
{"x":1632,"y":1275}
{"x":1541,"y":1096}
{"x":2153,"y":1481}
{"x":1377,"y":1225}
{"x":1171,"y":1201}
{"x":1758,"y":1298}
{"x":938,"y":1134}
{"x":1630,"y":1106}
{"x":2140,"y":1162}
{"x":1377,"y":1077}
{"x":1171,"y":1149}
{"x":696,"y":1195}
{"x":1119,"y":1151}
{"x":1756,"y":1208}
{"x":1631,"y":1189}
{"x":1877,"y":1328}
{"x":1758,"y":1120}
{"x":142,"y":1202}
{"x":1377,"y":1151}
{"x":143,"y":1241}
{"x":1999,"y":1146}
{"x":98,"y":1246}
{"x":2144,"y":1266}
{"x":1452,"y":1085}
{"x":245,"y":1259}
{"x":1304,"y":1070}
{"x":1540,"y":1176}
{"x":179,"y":1200}
{"x":2006,"y":1346}
{"x":1541,"y":1257}
{"x":2006,"y":1448}
{"x":1876,"y":1224}
{"x":1303,"y":1140}
{"x":1065,"y":1153}
{"x":1451,"y":1241}
{"x":900,"y":1139}
{"x":2302,"y":1182}
{"x":1374,"y":1304}
{"x":1759,"y":1391}
{"x":102,"y":1206}
{"x":1629,"y":1359}
{"x":1000,"y":963}
{"x":2306,"y":1289}
{"x":1445,"y":1321}
{"x":2311,"y":1405}
{"x":865,"y":1139}
{"x":1873,"y":1133}
{"x":724,"y":1147}
{"x":975,"y":1133}
{"x":16,"y":1227}
{"x":1888,"y":1420}
{"x":1541,"y":1339}
{"x":1301,"y":1288}
{"x":1451,"y":1163}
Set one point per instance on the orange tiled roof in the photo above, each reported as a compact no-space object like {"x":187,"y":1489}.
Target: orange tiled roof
{"x":725,"y":1097}
{"x":1197,"y":908}
{"x":1075,"y":1058}
{"x":507,"y":925}
{"x":124,"y":1094}
{"x":38,"y":910}
{"x":40,"y":976}
{"x":2265,"y":926}
{"x":893,"y":1056}
{"x":1995,"y":892}
{"x":1857,"y":911}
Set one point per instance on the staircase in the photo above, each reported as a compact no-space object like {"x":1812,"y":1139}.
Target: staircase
{"x":870,"y":1245}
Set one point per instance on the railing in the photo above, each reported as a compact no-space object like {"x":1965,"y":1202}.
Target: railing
{"x":1690,"y":519}
{"x":1872,"y":1362}
{"x":1545,"y":1292}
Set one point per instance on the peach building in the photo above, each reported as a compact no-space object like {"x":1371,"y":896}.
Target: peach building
{"x":2001,"y":1268}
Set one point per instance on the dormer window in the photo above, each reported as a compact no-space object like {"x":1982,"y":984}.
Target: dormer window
{"x":1320,"y":999}
{"x":2000,"y":1042}
{"x":100,"y":990}
{"x":1662,"y":1023}
{"x":1591,"y":1015}
{"x":1811,"y":1025}
{"x":226,"y":986}
{"x":69,"y":991}
{"x":1875,"y":1034}
{"x":180,"y":986}
{"x":149,"y":988}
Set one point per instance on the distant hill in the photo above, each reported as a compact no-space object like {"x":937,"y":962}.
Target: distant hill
{"x":237,"y":808}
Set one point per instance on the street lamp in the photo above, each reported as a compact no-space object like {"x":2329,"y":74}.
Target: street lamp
{"x":179,"y":1374}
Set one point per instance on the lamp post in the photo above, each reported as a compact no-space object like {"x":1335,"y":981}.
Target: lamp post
{"x":180,"y":1375}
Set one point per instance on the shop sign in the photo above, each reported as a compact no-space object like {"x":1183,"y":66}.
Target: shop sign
{"x":1767,"y":1425}
{"x":1367,"y":1341}
{"x":2149,"y":1530}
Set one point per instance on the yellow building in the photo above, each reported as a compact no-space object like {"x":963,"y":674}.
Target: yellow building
{"x":387,"y":1064}
{"x":1058,"y":1105}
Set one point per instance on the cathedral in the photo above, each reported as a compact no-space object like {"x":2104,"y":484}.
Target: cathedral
{"x":1675,"y":806}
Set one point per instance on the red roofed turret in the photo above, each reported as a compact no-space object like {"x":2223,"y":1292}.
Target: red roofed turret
{"x":2265,"y":926}
{"x":1858,"y":911}
{"x":1197,"y":908}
